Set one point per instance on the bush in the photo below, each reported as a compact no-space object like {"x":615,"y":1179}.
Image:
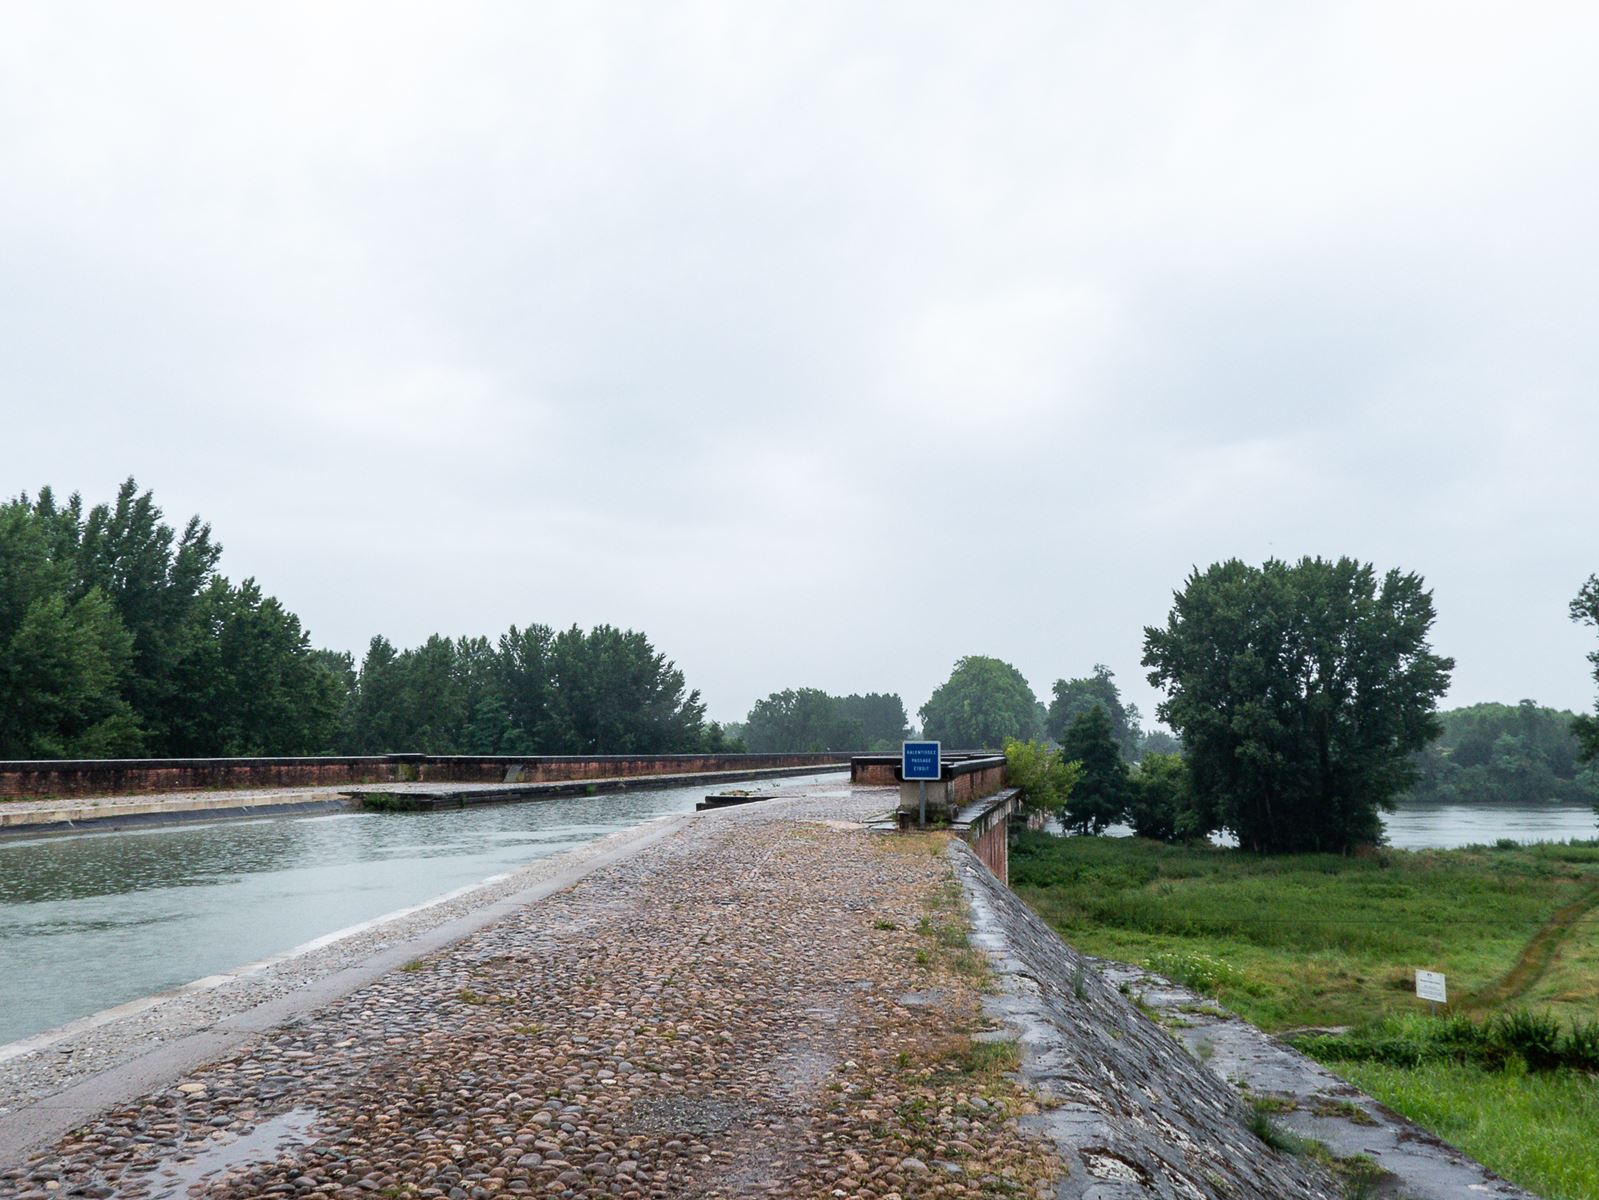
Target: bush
{"x":1581,"y":1047}
{"x":1044,"y":776}
{"x":1411,"y":1041}
{"x":1534,"y":1036}
{"x":1163,"y":804}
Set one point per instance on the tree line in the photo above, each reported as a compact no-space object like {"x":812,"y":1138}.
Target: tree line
{"x":1305,"y":697}
{"x":119,"y":638}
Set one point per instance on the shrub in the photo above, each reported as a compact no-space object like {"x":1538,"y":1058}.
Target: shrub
{"x":1044,"y":776}
{"x":1534,"y":1036}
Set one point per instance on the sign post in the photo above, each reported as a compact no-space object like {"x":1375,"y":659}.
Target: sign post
{"x":1431,"y":987}
{"x":920,"y":761}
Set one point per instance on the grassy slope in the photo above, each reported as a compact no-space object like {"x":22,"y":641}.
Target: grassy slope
{"x":1318,"y":940}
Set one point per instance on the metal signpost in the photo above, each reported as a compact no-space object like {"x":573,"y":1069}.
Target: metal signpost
{"x":1430,"y":986}
{"x":920,"y":761}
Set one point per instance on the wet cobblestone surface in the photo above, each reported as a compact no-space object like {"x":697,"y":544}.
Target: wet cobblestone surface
{"x":746,"y":1007}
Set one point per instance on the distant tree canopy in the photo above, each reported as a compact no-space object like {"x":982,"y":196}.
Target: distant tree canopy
{"x":1504,"y":754}
{"x":1074,"y":697}
{"x":1585,"y":611}
{"x":983,"y":702}
{"x":533,"y":691}
{"x":118,"y":637}
{"x":1300,"y":691}
{"x":808,"y":719}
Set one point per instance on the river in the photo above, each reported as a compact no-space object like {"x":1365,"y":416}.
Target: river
{"x":91,"y":920}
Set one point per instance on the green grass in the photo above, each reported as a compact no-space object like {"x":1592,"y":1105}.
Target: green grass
{"x":1324,"y":940}
{"x":1319,"y":939}
{"x":1538,"y":1130}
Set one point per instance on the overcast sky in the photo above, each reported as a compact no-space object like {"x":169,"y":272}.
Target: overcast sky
{"x":826,"y":343}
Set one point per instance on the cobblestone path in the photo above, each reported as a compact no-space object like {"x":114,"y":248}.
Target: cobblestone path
{"x":771,"y":1002}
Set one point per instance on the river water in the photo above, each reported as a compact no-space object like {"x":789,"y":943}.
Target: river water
{"x":91,"y":920}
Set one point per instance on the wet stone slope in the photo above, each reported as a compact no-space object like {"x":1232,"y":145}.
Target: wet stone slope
{"x":1130,"y":1111}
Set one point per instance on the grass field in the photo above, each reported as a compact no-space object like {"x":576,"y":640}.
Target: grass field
{"x":1321,"y":940}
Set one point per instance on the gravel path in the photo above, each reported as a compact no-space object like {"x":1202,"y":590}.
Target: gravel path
{"x":766,"y":1001}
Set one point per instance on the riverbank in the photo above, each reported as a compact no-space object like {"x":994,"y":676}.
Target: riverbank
{"x":1296,"y":941}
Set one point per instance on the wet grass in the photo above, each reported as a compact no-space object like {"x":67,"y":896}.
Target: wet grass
{"x":1539,"y":1130}
{"x":1322,"y":940}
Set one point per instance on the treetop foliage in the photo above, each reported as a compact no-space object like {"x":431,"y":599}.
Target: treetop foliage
{"x":118,"y":637}
{"x":983,"y":702}
{"x":1300,"y":691}
{"x":808,"y":719}
{"x":1073,"y":697}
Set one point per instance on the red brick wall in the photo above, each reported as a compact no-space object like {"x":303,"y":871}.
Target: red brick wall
{"x":993,"y":848}
{"x":871,"y":773}
{"x":137,"y":776}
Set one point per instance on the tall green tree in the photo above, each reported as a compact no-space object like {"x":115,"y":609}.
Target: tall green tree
{"x":881,"y":717}
{"x":615,"y":694}
{"x":801,"y":720}
{"x":1103,"y":789}
{"x":1074,"y":697}
{"x":253,"y":682}
{"x":1585,"y":611}
{"x":983,"y":702}
{"x":1300,"y":692}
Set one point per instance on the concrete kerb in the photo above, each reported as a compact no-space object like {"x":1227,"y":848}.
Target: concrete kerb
{"x":44,"y":1121}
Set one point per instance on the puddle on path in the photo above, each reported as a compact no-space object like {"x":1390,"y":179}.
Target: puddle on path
{"x":263,"y":1144}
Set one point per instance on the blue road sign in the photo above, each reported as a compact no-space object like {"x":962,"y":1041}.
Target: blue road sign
{"x":919,"y":760}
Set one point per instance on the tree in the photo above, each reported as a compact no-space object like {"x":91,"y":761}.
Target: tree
{"x":252,"y":683}
{"x":1074,"y":697}
{"x":1585,"y":611}
{"x":614,"y":694}
{"x":983,"y":702}
{"x":1103,"y":790}
{"x":1162,"y":804}
{"x":880,"y":716}
{"x":1042,"y":774}
{"x":1300,"y":692}
{"x":1158,"y":741}
{"x":801,"y":720}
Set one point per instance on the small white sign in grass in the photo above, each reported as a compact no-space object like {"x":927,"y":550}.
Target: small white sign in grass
{"x":1430,"y":986}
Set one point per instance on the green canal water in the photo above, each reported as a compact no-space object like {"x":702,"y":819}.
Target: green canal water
{"x":91,"y":920}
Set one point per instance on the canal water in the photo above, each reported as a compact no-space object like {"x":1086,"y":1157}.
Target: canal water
{"x":91,"y":920}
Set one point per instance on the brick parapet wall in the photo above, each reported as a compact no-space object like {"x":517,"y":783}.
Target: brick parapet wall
{"x":114,"y":777}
